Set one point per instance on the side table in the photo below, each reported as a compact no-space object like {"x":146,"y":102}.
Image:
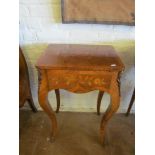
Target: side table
{"x":79,"y":69}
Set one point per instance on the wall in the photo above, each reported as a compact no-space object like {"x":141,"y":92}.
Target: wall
{"x":40,"y":24}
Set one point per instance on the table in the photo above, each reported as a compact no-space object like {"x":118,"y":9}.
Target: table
{"x":79,"y":69}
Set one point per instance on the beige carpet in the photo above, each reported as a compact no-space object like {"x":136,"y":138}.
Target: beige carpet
{"x":78,"y":134}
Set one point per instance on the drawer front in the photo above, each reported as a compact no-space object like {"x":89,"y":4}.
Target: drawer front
{"x":79,"y":81}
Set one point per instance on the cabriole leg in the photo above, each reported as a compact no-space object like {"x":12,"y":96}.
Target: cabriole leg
{"x":100,"y":95}
{"x":57,"y":93}
{"x":43,"y":101}
{"x":114,"y":105}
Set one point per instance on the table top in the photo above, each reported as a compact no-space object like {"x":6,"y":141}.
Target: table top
{"x":80,"y":57}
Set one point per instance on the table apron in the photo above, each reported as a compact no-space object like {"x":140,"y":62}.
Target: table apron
{"x":79,"y":81}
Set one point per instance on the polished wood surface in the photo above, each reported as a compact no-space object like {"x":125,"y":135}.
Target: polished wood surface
{"x":24,"y":83}
{"x":80,"y":57}
{"x":79,"y":69}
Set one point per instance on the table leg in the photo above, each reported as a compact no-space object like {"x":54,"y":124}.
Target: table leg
{"x":31,"y":103}
{"x":57,"y":93}
{"x":131,"y":103}
{"x":115,"y":101}
{"x":43,"y":101}
{"x":100,"y":95}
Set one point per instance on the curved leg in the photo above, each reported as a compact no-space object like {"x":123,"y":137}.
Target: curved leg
{"x":115,"y":101}
{"x":100,"y":95}
{"x":57,"y":93}
{"x":131,"y":103}
{"x":43,"y":101}
{"x":31,"y":103}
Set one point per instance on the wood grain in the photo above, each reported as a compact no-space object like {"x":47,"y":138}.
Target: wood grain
{"x":80,"y":57}
{"x":79,"y":69}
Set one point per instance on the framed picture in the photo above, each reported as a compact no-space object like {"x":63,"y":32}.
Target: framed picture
{"x":98,"y":11}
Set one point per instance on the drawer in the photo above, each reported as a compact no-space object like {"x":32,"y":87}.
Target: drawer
{"x":79,"y":81}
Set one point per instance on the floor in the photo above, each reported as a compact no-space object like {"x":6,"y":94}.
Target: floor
{"x":78,"y":134}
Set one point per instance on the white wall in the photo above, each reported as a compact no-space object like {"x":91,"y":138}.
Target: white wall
{"x":40,"y":22}
{"x":37,"y":25}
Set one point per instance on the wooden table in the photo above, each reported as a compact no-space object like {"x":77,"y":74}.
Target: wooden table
{"x":79,"y":69}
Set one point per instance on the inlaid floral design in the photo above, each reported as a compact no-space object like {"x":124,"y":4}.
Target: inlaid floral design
{"x":80,"y":82}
